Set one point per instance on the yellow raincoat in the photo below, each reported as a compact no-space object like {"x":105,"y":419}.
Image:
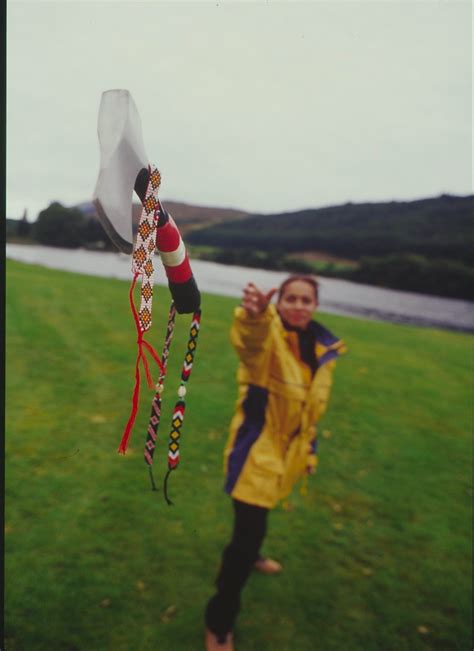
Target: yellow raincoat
{"x":272,"y":441}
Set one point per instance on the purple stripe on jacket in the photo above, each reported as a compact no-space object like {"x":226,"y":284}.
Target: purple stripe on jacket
{"x":254,"y":407}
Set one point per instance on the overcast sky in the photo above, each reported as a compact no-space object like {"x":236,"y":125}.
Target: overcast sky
{"x":262,"y":106}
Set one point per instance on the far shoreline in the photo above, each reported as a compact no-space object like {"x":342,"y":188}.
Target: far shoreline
{"x":337,"y":296}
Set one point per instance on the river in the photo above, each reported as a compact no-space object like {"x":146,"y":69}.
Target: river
{"x":336,"y":296}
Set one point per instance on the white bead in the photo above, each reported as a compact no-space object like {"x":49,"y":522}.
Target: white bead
{"x":182,"y":391}
{"x":159,"y":388}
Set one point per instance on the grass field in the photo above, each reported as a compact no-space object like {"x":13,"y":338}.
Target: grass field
{"x":376,"y":554}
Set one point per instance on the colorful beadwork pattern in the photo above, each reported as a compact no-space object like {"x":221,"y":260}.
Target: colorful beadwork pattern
{"x":180,"y":407}
{"x":142,"y":267}
{"x":155,"y":415}
{"x":144,"y":248}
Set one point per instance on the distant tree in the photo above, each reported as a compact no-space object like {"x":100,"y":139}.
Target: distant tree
{"x":60,"y":226}
{"x":417,"y":274}
{"x":11,"y":228}
{"x":94,"y":234}
{"x":23,"y":228}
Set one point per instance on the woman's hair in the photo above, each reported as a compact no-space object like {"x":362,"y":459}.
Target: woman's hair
{"x":302,"y":278}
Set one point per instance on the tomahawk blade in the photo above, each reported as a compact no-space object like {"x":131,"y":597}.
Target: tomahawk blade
{"x":122,"y":158}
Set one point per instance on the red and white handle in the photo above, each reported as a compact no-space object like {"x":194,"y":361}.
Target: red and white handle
{"x":175,"y":260}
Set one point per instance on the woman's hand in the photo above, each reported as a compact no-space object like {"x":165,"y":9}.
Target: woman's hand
{"x":255,"y":301}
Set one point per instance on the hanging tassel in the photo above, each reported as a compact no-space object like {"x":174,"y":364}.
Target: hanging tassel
{"x":136,"y":391}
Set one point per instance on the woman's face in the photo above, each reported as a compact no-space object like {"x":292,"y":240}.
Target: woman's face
{"x":297,"y":304}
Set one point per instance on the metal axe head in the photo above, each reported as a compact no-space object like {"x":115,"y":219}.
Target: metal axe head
{"x":123,"y":165}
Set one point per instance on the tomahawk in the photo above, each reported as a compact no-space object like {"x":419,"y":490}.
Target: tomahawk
{"x":125,"y":168}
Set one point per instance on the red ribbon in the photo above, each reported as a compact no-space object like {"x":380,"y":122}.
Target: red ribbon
{"x":140,"y":357}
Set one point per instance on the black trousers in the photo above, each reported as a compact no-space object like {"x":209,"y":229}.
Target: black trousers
{"x":250,"y":526}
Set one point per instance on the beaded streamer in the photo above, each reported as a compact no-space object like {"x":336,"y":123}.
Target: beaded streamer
{"x":155,"y":415}
{"x":180,"y":407}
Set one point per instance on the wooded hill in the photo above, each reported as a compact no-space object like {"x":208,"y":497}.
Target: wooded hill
{"x":423,"y":246}
{"x":436,"y":228}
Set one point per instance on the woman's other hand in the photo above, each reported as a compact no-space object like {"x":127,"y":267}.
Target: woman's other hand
{"x":255,"y":301}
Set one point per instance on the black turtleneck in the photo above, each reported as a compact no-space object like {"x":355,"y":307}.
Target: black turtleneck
{"x":307,"y":343}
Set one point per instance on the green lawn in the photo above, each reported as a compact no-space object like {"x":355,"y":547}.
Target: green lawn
{"x":376,"y":554}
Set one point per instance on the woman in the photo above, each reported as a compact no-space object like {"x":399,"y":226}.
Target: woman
{"x":284,"y":377}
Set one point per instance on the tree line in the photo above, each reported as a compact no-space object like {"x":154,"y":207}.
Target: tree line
{"x":423,"y":246}
{"x":441,"y":228}
{"x":60,"y":226}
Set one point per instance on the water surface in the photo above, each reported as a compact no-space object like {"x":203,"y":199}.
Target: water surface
{"x":336,"y":296}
